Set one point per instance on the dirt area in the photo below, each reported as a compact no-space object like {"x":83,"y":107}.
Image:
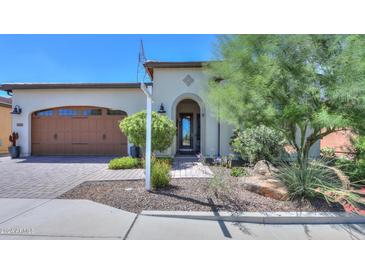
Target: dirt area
{"x":225,"y":194}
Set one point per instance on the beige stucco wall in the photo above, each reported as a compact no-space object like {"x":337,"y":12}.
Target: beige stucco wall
{"x":169,"y":89}
{"x":128,"y":100}
{"x":5,"y":128}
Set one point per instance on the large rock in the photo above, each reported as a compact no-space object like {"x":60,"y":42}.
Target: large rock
{"x":268,"y":187}
{"x":264,"y":168}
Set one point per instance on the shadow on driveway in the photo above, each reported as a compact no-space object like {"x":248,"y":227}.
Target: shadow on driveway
{"x":65,"y":159}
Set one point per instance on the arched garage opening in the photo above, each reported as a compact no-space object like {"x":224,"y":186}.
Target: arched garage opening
{"x":78,"y":130}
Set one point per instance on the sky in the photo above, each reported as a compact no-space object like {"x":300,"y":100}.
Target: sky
{"x":92,"y":58}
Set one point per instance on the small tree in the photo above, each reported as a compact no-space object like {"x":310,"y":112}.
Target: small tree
{"x":163,"y":130}
{"x":314,"y":84}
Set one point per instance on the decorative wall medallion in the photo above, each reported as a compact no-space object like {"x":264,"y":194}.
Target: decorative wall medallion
{"x":188,"y":80}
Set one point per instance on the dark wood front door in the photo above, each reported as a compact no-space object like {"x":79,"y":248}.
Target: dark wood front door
{"x":185,"y":132}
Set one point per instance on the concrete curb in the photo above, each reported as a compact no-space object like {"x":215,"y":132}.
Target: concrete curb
{"x":263,"y":217}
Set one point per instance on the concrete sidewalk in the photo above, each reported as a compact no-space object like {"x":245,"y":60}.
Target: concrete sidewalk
{"x":83,"y":219}
{"x":62,"y":219}
{"x":171,"y":228}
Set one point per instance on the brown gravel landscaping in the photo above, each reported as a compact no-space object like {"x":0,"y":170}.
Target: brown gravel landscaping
{"x":187,"y":195}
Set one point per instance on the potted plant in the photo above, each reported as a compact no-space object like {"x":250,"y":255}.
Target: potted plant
{"x":14,"y":150}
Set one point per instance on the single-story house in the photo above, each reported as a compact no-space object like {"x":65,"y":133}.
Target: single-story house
{"x":5,"y":124}
{"x":82,"y":118}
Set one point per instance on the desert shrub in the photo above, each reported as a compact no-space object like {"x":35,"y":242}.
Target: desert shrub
{"x":218,"y":183}
{"x":317,"y":180}
{"x":226,"y":161}
{"x":259,"y":143}
{"x":124,"y":163}
{"x":328,"y":152}
{"x":166,"y":159}
{"x":354,"y":168}
{"x":359,"y":146}
{"x":304,"y":182}
{"x":238,"y":172}
{"x":163,"y":130}
{"x":160,"y":173}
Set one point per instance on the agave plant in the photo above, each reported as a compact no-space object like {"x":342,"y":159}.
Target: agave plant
{"x":318,"y":180}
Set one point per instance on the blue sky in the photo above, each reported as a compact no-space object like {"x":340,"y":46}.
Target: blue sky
{"x":92,"y":58}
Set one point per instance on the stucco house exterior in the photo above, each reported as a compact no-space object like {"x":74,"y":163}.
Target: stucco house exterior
{"x":340,"y":142}
{"x":82,"y":118}
{"x":5,"y":124}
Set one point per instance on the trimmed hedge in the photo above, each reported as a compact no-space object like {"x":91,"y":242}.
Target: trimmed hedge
{"x":124,"y":163}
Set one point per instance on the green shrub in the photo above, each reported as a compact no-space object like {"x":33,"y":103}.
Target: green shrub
{"x":359,"y":146}
{"x":260,"y":143}
{"x":166,"y":159}
{"x":124,"y":163}
{"x":305,"y":182}
{"x":160,"y":175}
{"x":328,"y":152}
{"x":354,"y":168}
{"x":238,"y":172}
{"x":163,"y":130}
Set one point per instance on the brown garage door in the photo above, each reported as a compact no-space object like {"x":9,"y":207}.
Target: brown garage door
{"x":78,"y":131}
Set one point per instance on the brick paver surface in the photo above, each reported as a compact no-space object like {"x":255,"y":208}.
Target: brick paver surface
{"x":49,"y":177}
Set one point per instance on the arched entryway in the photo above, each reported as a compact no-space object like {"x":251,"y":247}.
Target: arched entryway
{"x":188,"y":123}
{"x":78,"y":130}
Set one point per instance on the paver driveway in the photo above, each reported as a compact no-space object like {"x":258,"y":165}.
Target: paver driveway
{"x":50,"y":176}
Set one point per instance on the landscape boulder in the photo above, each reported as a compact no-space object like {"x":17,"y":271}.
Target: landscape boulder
{"x":264,"y":168}
{"x":268,"y":187}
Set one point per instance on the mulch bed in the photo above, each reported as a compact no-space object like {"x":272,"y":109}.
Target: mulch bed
{"x":187,"y":195}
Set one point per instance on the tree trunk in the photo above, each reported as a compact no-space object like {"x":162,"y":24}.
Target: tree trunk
{"x":303,"y":156}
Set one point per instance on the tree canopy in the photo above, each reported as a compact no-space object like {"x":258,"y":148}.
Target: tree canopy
{"x":311,"y":83}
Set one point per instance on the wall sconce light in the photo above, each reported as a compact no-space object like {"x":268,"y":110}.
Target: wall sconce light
{"x":162,"y":109}
{"x":16,"y":110}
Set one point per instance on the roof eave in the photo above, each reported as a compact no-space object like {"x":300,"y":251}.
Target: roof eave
{"x":21,"y":86}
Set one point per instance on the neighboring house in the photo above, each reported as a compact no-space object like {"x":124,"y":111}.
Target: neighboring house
{"x":5,"y":124}
{"x":340,"y":141}
{"x":82,"y":118}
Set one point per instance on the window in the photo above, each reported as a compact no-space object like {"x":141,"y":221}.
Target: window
{"x":88,"y":112}
{"x":116,"y":112}
{"x":47,"y":112}
{"x":69,"y":112}
{"x":78,"y":112}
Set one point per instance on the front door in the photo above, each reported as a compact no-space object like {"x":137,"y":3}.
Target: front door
{"x":186,"y":132}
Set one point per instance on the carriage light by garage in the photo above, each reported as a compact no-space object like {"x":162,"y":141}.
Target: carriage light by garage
{"x":162,"y":109}
{"x":16,"y":110}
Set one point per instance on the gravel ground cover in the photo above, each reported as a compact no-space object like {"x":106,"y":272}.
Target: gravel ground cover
{"x":224,"y":194}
